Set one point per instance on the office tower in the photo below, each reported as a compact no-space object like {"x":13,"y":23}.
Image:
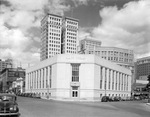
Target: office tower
{"x":58,"y":35}
{"x":123,"y":57}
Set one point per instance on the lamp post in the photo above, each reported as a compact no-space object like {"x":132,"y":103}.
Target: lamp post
{"x":31,"y":88}
{"x":47,"y":91}
{"x":105,"y":88}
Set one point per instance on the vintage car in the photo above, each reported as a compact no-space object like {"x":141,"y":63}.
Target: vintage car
{"x":8,"y":105}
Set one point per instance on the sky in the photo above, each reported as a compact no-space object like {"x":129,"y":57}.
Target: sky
{"x":116,"y":23}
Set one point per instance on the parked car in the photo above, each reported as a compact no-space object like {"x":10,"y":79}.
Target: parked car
{"x":105,"y":99}
{"x":116,"y":98}
{"x":8,"y":105}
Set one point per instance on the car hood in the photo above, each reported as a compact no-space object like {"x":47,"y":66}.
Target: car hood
{"x":6,"y":104}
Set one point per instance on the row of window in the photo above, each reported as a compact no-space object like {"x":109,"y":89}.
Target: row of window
{"x":55,"y":18}
{"x":70,"y":30}
{"x":55,"y":34}
{"x":71,"y":37}
{"x":55,"y":27}
{"x":72,"y":27}
{"x":72,"y":34}
{"x":71,"y":22}
{"x":116,"y":53}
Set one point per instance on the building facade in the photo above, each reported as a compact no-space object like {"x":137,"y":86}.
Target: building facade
{"x":123,"y":57}
{"x":8,"y":76}
{"x":143,"y":68}
{"x":88,"y":44}
{"x":78,"y":77}
{"x":58,"y":35}
{"x":5,"y":64}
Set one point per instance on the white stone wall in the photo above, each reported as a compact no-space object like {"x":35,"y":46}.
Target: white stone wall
{"x":89,"y":78}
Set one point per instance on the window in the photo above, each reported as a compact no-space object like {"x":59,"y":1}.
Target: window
{"x":75,"y":72}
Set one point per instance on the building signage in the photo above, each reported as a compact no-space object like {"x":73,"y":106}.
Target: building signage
{"x":16,"y":74}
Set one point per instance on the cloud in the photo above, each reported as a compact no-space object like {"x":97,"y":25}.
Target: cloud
{"x":80,"y":2}
{"x":19,"y":19}
{"x":57,"y":7}
{"x":128,"y":27}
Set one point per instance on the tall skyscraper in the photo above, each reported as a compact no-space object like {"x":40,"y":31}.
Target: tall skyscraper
{"x":58,"y":35}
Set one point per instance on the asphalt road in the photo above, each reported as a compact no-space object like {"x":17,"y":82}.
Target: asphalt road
{"x":30,"y":107}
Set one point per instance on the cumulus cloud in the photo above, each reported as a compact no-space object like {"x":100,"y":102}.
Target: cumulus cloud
{"x":80,"y":2}
{"x":17,"y":23}
{"x":128,"y":27}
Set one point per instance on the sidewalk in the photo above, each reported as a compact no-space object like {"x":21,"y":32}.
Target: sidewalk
{"x":148,"y":104}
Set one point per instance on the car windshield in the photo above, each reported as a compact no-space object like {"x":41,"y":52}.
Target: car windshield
{"x":7,"y":98}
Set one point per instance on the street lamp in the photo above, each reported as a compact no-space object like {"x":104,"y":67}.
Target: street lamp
{"x":47,"y":91}
{"x":31,"y":88}
{"x":105,"y":88}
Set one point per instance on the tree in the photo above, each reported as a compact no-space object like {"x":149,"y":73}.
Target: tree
{"x":148,"y":86}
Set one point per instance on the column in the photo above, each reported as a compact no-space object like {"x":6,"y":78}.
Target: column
{"x":45,"y":77}
{"x":103,"y":77}
{"x":111,"y":75}
{"x":120,"y":81}
{"x":33,"y":80}
{"x":123,"y":81}
{"x":29,"y":81}
{"x":107,"y":83}
{"x":38,"y":78}
{"x":41,"y":78}
{"x":115,"y":80}
{"x":48,"y":76}
{"x":26,"y":81}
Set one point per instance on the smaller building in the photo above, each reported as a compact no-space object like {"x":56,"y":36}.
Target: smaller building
{"x":139,"y":88}
{"x":143,"y":68}
{"x":18,"y":86}
{"x":8,"y":76}
{"x":6,"y":64}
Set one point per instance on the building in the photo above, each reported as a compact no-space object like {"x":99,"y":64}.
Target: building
{"x":123,"y":57}
{"x":18,"y":85}
{"x":140,"y":89}
{"x":58,"y":35}
{"x":88,"y":44}
{"x":8,"y":76}
{"x":5,"y":64}
{"x":78,"y":77}
{"x":143,"y":68}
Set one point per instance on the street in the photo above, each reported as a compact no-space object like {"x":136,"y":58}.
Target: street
{"x":30,"y":107}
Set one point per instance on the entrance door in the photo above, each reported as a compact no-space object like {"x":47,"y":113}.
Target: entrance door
{"x":75,"y":92}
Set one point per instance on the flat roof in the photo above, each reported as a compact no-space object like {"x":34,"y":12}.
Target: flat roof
{"x":51,"y":15}
{"x":144,"y":58}
{"x":70,"y":18}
